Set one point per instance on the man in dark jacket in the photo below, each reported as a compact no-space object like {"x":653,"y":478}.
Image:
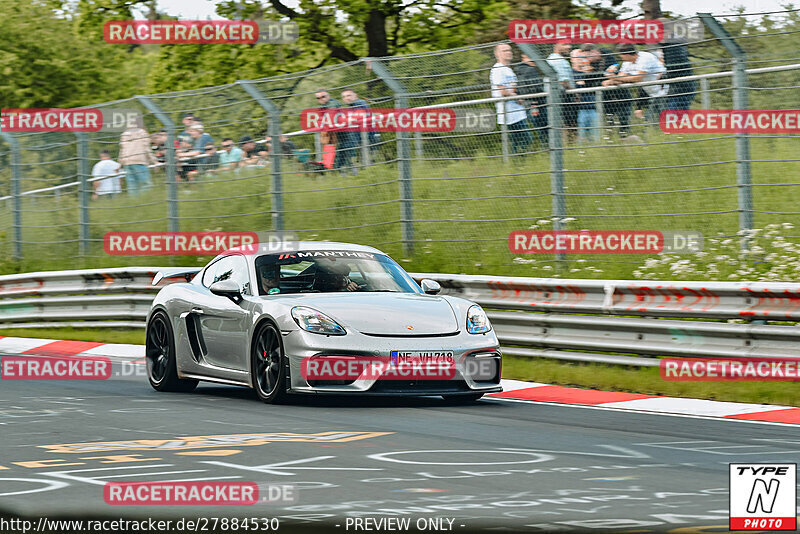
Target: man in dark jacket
{"x":530,"y":82}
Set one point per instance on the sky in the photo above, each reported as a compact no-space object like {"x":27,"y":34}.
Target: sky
{"x":202,"y":9}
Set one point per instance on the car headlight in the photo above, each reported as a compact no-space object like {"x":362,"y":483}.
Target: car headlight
{"x":317,"y":322}
{"x":477,"y":322}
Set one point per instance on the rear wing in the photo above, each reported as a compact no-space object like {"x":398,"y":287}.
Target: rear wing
{"x":186,"y":273}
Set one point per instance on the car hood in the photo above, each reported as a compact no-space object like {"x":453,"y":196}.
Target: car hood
{"x":386,"y":314}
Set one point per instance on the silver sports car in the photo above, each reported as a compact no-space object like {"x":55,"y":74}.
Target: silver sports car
{"x":320,"y":317}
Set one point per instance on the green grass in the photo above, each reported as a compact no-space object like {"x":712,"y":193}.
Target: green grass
{"x":134,"y":336}
{"x":464,"y":209}
{"x":645,"y":380}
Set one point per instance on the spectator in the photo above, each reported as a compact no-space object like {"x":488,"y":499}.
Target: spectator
{"x":253,"y":153}
{"x":135,"y":155}
{"x":641,"y":66}
{"x":287,"y":146}
{"x":589,"y":76}
{"x":328,"y":138}
{"x":512,"y":113}
{"x":192,"y":159}
{"x":231,"y":155}
{"x":618,"y":101}
{"x":158,"y":144}
{"x":210,"y":163}
{"x":530,"y":82}
{"x":349,"y":141}
{"x":188,"y":120}
{"x":110,"y":186}
{"x":676,"y":61}
{"x":351,"y":99}
{"x":558,"y":60}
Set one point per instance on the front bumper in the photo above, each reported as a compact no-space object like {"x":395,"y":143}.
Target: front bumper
{"x":299,"y":345}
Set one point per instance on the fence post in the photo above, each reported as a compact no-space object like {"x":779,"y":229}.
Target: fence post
{"x":274,"y":132}
{"x":554,"y":119}
{"x":403,"y":155}
{"x":172,"y":183}
{"x":600,"y":110}
{"x":743,"y":176}
{"x":83,"y":191}
{"x":420,"y":153}
{"x":365,"y":147}
{"x":16,"y":200}
{"x":318,"y":146}
{"x":705,"y":93}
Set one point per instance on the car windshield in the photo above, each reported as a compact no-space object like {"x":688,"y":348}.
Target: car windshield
{"x":329,"y":271}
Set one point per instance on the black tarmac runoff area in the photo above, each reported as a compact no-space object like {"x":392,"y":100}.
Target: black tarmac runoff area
{"x":357,"y":464}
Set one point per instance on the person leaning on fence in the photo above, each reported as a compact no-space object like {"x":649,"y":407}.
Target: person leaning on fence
{"x":589,"y":75}
{"x":329,"y":140}
{"x":193,"y":159}
{"x":617,"y":102}
{"x":349,"y":141}
{"x":253,"y":153}
{"x":641,"y":66}
{"x":135,"y":155}
{"x":106,"y":167}
{"x":677,"y":63}
{"x":566,"y":78}
{"x":530,"y":82}
{"x":231,"y":155}
{"x":512,"y":113}
{"x":210,"y":163}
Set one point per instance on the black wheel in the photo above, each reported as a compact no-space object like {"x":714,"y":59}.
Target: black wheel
{"x":462,"y":399}
{"x":162,"y":369}
{"x":268,"y":366}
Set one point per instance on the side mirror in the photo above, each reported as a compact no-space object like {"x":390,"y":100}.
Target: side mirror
{"x":430,"y":287}
{"x":227,"y":288}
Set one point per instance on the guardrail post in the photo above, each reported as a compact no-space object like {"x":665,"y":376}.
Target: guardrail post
{"x":403,"y":155}
{"x":274,"y":132}
{"x":743,"y":176}
{"x":554,"y":118}
{"x":16,"y":198}
{"x":172,"y":183}
{"x":83,"y":191}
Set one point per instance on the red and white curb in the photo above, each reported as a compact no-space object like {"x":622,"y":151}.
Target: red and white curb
{"x":512,"y":389}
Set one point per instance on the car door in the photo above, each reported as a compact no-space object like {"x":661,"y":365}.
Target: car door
{"x":224,"y":323}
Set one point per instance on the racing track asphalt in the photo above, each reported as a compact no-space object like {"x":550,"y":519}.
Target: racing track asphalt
{"x":529,"y":467}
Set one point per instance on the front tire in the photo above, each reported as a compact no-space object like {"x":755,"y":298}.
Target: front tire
{"x":160,"y":356}
{"x":268,"y":365}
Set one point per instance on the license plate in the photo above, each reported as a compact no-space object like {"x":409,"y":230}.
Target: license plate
{"x":402,"y":356}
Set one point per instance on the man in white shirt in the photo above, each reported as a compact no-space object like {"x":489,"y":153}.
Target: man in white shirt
{"x":106,"y":167}
{"x":641,"y":66}
{"x":512,"y":113}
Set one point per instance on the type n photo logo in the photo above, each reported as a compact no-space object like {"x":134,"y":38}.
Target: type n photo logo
{"x":763,"y":497}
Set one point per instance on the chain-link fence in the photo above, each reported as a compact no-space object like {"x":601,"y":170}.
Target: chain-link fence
{"x":586,"y":156}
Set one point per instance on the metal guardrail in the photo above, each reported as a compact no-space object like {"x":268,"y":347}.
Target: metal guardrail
{"x":622,"y":322}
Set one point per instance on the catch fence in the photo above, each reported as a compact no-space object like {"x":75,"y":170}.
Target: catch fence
{"x":441,"y":201}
